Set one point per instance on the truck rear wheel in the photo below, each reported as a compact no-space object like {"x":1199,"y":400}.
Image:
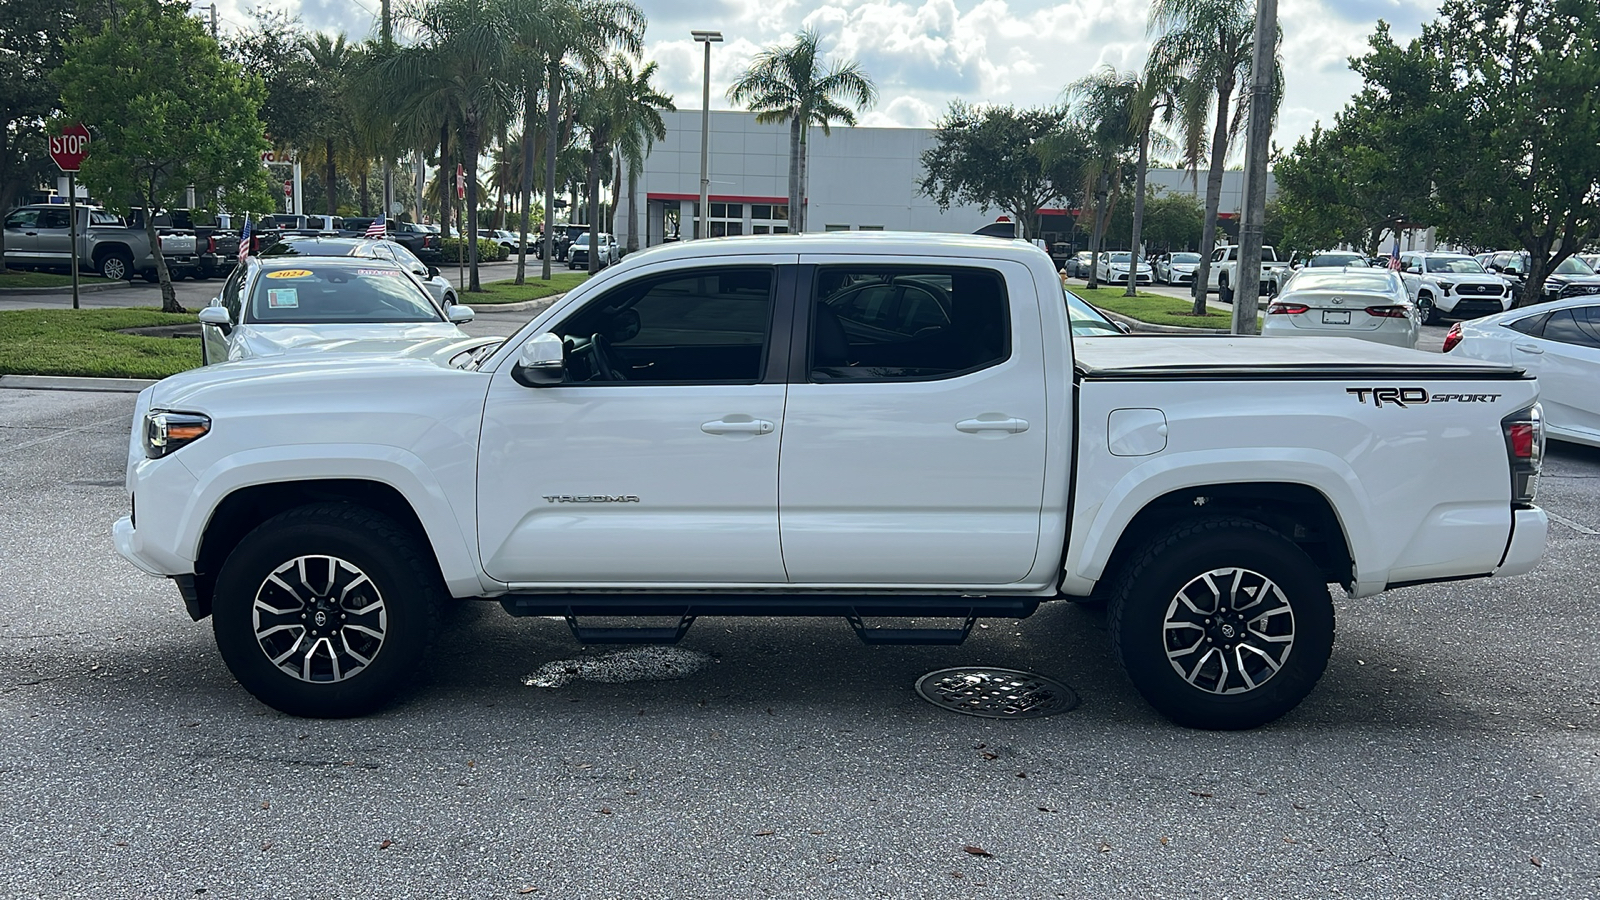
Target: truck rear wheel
{"x":325,"y":611}
{"x":1222,"y":624}
{"x":116,"y":266}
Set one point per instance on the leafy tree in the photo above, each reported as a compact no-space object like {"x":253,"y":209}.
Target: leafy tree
{"x":1006,"y":158}
{"x":1518,"y":146}
{"x":792,"y":83}
{"x":161,"y":127}
{"x":640,"y":126}
{"x":1107,"y":111}
{"x":31,"y":33}
{"x":1207,"y":43}
{"x":330,"y":62}
{"x":1173,"y":221}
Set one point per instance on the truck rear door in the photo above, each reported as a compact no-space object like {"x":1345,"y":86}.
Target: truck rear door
{"x":914,"y":434}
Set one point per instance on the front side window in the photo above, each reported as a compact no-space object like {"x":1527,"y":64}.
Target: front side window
{"x":694,"y":327}
{"x":23,"y":218}
{"x":904,"y":322}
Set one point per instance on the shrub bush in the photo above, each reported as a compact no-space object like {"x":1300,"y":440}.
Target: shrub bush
{"x":488,"y":251}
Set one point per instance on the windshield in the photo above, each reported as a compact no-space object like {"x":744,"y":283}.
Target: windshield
{"x":1336,"y":259}
{"x":1573,"y":266}
{"x":1455,"y":265}
{"x":583,"y":241}
{"x":1185,"y":258}
{"x":1086,"y":320}
{"x":1121,"y":256}
{"x":338,"y":292}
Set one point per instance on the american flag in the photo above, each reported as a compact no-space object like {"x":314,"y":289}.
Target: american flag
{"x":1394,"y":258}
{"x":376,"y":229}
{"x":244,"y":240}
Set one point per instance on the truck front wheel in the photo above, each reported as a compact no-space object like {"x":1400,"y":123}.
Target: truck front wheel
{"x":1224,"y":293}
{"x":1222,"y":624}
{"x":325,"y":611}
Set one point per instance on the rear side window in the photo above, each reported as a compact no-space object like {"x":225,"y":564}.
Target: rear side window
{"x":1579,"y":326}
{"x":896,"y":323}
{"x":1532,"y":325}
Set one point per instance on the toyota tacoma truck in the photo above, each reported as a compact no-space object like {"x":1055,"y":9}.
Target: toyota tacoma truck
{"x":1223,"y":276}
{"x":868,"y":426}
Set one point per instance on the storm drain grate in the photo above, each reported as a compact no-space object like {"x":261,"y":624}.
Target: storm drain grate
{"x":996,"y":693}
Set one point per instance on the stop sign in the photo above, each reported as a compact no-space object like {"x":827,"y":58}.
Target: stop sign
{"x":70,"y":147}
{"x":288,"y":188}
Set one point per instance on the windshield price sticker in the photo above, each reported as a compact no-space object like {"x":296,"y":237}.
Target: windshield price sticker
{"x":290,"y":273}
{"x":389,"y":272}
{"x":283,"y":298}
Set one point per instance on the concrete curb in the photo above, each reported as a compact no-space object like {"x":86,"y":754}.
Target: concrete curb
{"x":67,"y":289}
{"x":74,"y":383}
{"x":519,"y":306}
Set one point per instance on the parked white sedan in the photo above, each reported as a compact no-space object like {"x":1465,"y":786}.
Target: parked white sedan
{"x":1365,"y":303}
{"x":1113,"y":268}
{"x":1558,"y":343}
{"x":279,"y":305}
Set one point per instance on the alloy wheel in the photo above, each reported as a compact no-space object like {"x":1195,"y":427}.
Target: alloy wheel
{"x":319,"y":619}
{"x":1229,"y":631}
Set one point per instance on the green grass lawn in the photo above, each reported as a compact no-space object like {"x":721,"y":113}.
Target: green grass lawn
{"x":1154,"y":308}
{"x":86,"y":342}
{"x":534,"y":289}
{"x":14,"y":278}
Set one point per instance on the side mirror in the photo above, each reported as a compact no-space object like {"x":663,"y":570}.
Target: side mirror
{"x":218,"y":316}
{"x":1493,"y":268}
{"x":458,"y":314}
{"x":541,"y":362}
{"x":433,"y":271}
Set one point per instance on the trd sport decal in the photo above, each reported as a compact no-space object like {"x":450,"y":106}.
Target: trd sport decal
{"x":1406,"y":397}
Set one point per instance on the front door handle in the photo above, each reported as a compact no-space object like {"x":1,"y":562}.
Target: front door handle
{"x":1529,"y":348}
{"x":976,"y":426}
{"x":744,"y":426}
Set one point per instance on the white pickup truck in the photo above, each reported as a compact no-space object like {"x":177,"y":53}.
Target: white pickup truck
{"x":866,"y":426}
{"x":1223,"y":275}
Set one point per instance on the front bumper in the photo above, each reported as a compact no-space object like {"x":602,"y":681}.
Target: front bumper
{"x":1529,"y":528}
{"x":1471,"y":307}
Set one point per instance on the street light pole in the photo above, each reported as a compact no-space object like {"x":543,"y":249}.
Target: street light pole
{"x":708,"y":38}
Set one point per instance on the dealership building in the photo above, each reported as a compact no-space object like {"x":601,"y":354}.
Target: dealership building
{"x":861,"y":179}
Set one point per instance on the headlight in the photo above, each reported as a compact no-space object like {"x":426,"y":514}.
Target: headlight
{"x":165,"y":432}
{"x":1446,"y":286}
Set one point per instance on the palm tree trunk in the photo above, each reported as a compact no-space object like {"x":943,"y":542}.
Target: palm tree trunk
{"x":1138,"y":211}
{"x":616,"y":191}
{"x":594,"y":208}
{"x":527,"y":178}
{"x":553,"y":90}
{"x":633,"y":207}
{"x":805,"y":171}
{"x":1097,"y":232}
{"x":332,"y":187}
{"x":445,"y":187}
{"x":366,"y":207}
{"x":794,"y":179}
{"x":469,"y":149}
{"x":1208,"y":228}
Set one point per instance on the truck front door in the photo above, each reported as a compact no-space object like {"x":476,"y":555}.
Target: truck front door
{"x":914,"y":435}
{"x":657,"y":460}
{"x":22,"y":237}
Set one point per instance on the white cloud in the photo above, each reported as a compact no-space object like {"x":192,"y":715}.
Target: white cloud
{"x":925,"y":53}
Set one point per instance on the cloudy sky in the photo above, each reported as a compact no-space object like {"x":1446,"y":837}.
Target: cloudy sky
{"x":924,"y":53}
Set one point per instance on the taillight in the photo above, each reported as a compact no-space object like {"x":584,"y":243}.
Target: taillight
{"x":211,"y":245}
{"x":1287,"y":309}
{"x":1524,"y":431}
{"x":1388,"y":312}
{"x":1452,"y":337}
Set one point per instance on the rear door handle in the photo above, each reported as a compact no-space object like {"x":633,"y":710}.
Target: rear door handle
{"x":976,"y":426}
{"x":1529,"y":348}
{"x":748,"y":426}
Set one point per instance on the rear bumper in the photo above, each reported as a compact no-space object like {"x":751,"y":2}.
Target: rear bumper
{"x":1529,"y":528}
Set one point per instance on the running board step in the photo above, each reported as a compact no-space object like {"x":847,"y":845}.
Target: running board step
{"x":593,"y":635}
{"x":901,"y":637}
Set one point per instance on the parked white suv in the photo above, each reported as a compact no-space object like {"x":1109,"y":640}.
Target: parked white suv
{"x":1452,"y":284}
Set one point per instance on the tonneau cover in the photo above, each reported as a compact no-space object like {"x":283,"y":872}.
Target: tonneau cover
{"x":1233,"y":357}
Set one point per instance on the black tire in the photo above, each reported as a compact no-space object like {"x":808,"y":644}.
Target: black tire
{"x":1149,"y":598}
{"x":1224,"y":293}
{"x":116,"y":266}
{"x":398,"y":575}
{"x":1426,"y":311}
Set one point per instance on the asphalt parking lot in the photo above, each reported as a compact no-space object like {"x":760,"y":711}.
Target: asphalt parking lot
{"x":1450,"y":751}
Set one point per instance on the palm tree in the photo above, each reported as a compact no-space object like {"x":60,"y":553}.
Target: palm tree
{"x":330,"y":61}
{"x":458,"y":66}
{"x":793,"y":84}
{"x":558,"y":30}
{"x":1106,"y":103}
{"x":1207,"y":43}
{"x":639,"y":126}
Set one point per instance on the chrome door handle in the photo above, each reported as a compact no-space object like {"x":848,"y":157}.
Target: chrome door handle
{"x":1009,"y":426}
{"x":751,"y":426}
{"x":1529,"y":348}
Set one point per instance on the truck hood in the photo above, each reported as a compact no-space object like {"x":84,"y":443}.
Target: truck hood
{"x":314,"y":374}
{"x":383,"y":339}
{"x":1235,"y":357}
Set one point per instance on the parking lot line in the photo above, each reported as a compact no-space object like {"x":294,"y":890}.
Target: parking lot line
{"x":1581,"y":529}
